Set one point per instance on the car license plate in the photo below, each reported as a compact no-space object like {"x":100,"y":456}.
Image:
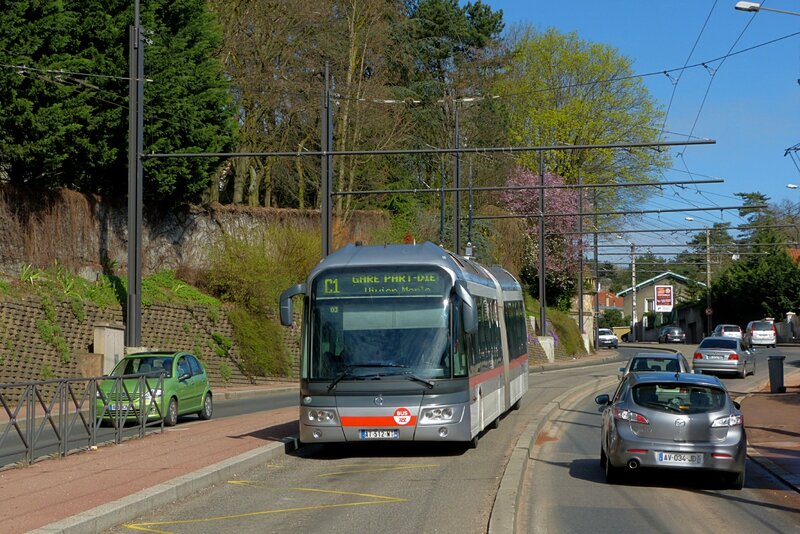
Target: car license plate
{"x":714,"y":357}
{"x":379,"y":434}
{"x":115,"y":407}
{"x":679,"y":458}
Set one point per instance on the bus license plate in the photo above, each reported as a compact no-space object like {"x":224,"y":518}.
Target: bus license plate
{"x":379,"y":434}
{"x":679,"y":458}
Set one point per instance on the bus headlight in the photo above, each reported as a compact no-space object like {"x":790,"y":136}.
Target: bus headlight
{"x":437,"y":415}
{"x":321,"y":416}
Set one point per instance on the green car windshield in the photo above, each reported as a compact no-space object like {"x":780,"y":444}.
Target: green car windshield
{"x":145,"y":364}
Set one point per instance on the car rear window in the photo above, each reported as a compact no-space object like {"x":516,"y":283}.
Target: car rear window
{"x":718,"y":344}
{"x":679,"y":398}
{"x":730,"y":328}
{"x":655,"y":364}
{"x":762,"y":325}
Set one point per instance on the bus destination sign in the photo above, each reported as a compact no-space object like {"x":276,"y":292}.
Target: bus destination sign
{"x":381,"y":283}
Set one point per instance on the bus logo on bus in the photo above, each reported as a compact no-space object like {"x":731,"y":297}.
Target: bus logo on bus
{"x":402,"y":416}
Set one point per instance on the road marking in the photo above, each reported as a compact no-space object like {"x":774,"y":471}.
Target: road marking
{"x":364,"y":469}
{"x":378,"y":499}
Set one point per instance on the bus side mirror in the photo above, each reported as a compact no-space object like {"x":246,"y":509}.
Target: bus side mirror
{"x":287,"y":309}
{"x":469,"y":315}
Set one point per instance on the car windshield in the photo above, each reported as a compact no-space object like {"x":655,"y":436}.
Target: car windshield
{"x":679,"y":398}
{"x":709,"y":343}
{"x":144,"y":364}
{"x":605,"y":332}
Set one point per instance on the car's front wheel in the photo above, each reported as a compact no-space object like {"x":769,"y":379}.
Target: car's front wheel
{"x":171,"y":417}
{"x":208,"y":408}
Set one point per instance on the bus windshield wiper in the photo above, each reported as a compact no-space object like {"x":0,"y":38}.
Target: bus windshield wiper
{"x":347,"y":371}
{"x":415,"y":378}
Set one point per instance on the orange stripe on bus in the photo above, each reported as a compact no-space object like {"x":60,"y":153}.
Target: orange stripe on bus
{"x":379,"y":421}
{"x":519,"y":361}
{"x":484,"y":376}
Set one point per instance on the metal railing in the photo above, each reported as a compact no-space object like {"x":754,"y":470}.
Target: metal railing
{"x":56,"y":417}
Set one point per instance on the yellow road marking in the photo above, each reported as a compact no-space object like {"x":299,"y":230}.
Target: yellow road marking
{"x":363,"y":469}
{"x":380,"y":499}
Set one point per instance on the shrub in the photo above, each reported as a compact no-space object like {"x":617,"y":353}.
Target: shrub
{"x":260,"y":341}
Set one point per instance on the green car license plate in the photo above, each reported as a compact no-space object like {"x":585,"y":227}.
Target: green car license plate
{"x":379,"y":434}
{"x":679,"y":458}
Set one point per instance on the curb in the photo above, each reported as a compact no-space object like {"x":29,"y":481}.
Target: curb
{"x":127,"y":508}
{"x":503,"y":518}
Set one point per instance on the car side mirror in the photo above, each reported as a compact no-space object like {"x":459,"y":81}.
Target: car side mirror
{"x":737,"y":405}
{"x":602,"y":400}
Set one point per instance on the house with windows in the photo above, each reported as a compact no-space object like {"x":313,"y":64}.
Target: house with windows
{"x":656,"y":304}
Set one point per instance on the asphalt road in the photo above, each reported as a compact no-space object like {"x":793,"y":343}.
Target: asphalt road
{"x":398,"y":487}
{"x":565,"y":490}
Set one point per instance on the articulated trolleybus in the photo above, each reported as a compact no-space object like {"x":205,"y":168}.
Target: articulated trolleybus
{"x":407,"y":342}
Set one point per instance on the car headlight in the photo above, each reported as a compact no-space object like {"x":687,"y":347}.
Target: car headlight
{"x":728,"y":421}
{"x":321,"y":416}
{"x":438,"y":415}
{"x":152,"y":393}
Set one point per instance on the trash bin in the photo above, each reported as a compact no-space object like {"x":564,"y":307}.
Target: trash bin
{"x":776,"y":374}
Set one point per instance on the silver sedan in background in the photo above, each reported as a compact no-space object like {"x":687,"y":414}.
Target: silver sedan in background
{"x":719,"y":354}
{"x":672,"y":421}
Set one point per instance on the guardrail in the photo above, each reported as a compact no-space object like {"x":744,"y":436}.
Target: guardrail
{"x":67,"y":414}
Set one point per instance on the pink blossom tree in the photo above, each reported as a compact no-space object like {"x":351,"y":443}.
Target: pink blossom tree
{"x":562,"y":248}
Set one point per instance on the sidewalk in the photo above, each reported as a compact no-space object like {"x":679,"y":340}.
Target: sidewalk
{"x":772,"y":421}
{"x":95,"y":490}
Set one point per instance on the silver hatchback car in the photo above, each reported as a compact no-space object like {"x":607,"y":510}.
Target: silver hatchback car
{"x":724,"y":355}
{"x":672,"y":421}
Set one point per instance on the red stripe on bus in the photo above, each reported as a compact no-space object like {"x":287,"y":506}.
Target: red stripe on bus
{"x":378,"y":421}
{"x":518,"y":361}
{"x":484,"y":376}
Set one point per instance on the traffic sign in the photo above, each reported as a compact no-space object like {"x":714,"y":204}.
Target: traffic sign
{"x":709,"y":311}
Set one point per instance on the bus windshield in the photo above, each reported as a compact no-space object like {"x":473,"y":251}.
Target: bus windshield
{"x":380,"y":324}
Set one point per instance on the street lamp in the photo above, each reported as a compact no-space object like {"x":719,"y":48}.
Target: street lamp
{"x":755,"y":7}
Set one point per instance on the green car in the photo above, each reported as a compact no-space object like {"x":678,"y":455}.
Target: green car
{"x":158,"y":384}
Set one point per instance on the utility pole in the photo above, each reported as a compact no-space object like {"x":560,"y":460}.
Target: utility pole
{"x":326,"y":167}
{"x":580,"y":251}
{"x":633,"y":303}
{"x":457,"y":182}
{"x":708,"y":281}
{"x":597,"y":278}
{"x":133,"y":318}
{"x":542,"y":296}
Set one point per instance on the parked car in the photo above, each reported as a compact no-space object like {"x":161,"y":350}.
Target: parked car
{"x":760,"y":333}
{"x":672,"y":421}
{"x":724,"y":355}
{"x":671,"y":362}
{"x":728,"y":330}
{"x":607,"y":338}
{"x":672,"y":334}
{"x":156,"y":384}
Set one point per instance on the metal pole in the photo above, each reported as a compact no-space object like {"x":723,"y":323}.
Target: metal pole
{"x":633,"y":304}
{"x":469,"y":224}
{"x":441,"y":208}
{"x":542,"y":295}
{"x":597,"y":280}
{"x":133,"y":320}
{"x":580,"y":256}
{"x":708,"y":281}
{"x":326,"y":167}
{"x":457,"y":221}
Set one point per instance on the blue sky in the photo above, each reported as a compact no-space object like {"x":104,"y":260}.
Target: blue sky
{"x":752,"y":108}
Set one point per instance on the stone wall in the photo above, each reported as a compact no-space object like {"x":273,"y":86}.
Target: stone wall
{"x":84,"y":232}
{"x":25,"y":354}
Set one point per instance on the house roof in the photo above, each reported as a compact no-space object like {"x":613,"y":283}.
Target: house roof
{"x":662,"y":276}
